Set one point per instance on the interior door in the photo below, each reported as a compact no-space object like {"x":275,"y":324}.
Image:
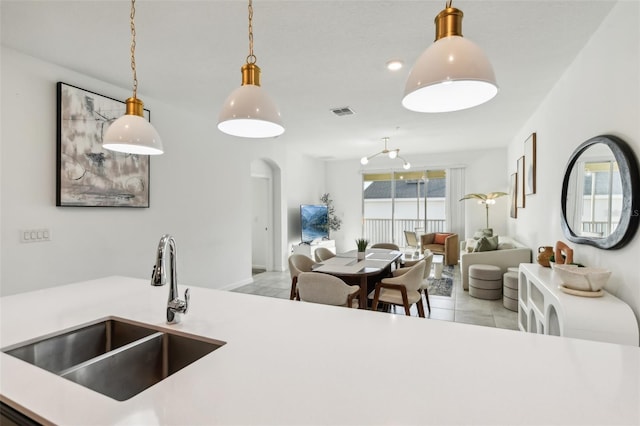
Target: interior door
{"x":261,"y":223}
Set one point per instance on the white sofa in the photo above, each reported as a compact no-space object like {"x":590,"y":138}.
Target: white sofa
{"x":503,"y":257}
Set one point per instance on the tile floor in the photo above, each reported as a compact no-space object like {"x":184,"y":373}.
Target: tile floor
{"x":460,"y":307}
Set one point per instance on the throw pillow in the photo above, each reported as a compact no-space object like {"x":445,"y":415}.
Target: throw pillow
{"x":440,"y":238}
{"x":505,"y":246}
{"x":487,"y":244}
{"x":470,"y":245}
{"x":486,"y":232}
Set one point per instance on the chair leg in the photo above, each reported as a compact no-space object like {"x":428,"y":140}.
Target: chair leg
{"x":293,"y":293}
{"x":420,"y":308}
{"x":426,"y":296}
{"x":405,"y":302}
{"x":407,"y":310}
{"x":376,"y":295}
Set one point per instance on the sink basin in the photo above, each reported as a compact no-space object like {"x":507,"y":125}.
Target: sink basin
{"x":115,"y":357}
{"x":61,"y":351}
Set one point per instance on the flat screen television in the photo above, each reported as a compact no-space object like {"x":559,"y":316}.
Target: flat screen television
{"x":314,"y":219}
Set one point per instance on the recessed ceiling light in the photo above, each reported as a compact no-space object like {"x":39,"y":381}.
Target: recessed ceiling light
{"x":394,"y":64}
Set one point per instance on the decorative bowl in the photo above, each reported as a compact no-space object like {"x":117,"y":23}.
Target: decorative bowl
{"x":583,"y":279}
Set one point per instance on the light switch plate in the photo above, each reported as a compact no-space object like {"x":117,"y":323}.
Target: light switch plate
{"x":40,"y":235}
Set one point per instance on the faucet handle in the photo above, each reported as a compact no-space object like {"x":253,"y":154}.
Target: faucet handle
{"x":186,"y":300}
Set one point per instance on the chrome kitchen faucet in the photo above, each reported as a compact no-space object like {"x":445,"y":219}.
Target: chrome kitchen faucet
{"x":175,"y":306}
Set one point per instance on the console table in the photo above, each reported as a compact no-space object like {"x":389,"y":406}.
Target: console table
{"x":545,"y":309}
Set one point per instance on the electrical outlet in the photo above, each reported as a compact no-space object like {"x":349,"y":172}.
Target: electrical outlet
{"x":35,"y":235}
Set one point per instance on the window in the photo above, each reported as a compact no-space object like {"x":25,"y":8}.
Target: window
{"x":395,"y":202}
{"x":601,"y":199}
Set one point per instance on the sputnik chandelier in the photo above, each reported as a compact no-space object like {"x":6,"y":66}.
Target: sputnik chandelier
{"x":391,"y":153}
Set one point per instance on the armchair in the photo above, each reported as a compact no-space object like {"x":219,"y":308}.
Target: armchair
{"x":442,"y":243}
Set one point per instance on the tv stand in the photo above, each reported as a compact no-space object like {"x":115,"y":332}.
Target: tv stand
{"x":309,"y":249}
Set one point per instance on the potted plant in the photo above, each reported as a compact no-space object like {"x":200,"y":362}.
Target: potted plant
{"x":487,"y":200}
{"x":334,"y":221}
{"x":362,"y":244}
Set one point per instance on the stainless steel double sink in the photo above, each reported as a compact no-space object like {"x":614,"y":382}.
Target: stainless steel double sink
{"x":116,"y":357}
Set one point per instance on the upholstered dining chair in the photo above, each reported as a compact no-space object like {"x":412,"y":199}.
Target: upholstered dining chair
{"x":403,"y":289}
{"x":298,"y":263}
{"x":388,"y":246}
{"x":424,"y":287}
{"x":322,"y":253}
{"x":326,"y":289}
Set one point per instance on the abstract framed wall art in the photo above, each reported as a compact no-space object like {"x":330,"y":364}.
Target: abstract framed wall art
{"x":87,"y":174}
{"x":530,"y":165}
{"x":520,"y":185}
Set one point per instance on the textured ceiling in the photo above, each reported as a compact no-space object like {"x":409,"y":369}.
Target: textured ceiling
{"x":315,"y":56}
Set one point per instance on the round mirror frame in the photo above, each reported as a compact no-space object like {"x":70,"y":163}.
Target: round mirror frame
{"x":630,"y":215}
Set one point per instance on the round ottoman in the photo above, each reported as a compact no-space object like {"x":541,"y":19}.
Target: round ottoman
{"x":485,"y":282}
{"x":510,"y":291}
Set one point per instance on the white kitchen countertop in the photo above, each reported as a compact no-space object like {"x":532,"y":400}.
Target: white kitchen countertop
{"x":294,"y":363}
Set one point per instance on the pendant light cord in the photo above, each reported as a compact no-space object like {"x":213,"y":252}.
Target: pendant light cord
{"x":251,"y":59}
{"x":133,"y":48}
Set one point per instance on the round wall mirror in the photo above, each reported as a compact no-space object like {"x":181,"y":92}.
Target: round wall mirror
{"x":600,"y":199}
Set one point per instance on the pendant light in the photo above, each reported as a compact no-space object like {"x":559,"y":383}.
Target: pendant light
{"x":452,"y":74}
{"x":132,"y":133}
{"x":248,"y":111}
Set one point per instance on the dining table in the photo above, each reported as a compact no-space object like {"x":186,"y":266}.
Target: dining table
{"x":377,"y":263}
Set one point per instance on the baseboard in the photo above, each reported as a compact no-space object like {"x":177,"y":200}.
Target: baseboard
{"x":237,"y":284}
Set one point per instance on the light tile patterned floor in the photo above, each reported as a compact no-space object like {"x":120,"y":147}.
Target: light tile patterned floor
{"x":460,"y":307}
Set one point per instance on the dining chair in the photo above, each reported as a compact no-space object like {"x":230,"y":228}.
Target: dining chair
{"x":322,"y":253}
{"x":403,"y":289}
{"x":424,"y":287}
{"x":298,"y":263}
{"x":388,"y":246}
{"x":326,"y":289}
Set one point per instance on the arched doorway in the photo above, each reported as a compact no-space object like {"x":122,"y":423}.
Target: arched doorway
{"x":266,"y":216}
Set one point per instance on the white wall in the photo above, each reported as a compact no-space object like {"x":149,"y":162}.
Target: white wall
{"x":484,"y":172}
{"x":200,"y":192}
{"x":307,"y":188}
{"x":598,"y":94}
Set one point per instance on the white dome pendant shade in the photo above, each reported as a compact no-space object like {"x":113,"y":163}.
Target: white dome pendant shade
{"x":132,"y":133}
{"x":452,"y":74}
{"x":248,"y":111}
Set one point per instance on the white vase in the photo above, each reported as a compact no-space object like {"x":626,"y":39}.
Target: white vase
{"x":361,"y":255}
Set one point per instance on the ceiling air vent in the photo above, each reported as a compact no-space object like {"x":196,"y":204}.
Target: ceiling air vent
{"x":342,"y":111}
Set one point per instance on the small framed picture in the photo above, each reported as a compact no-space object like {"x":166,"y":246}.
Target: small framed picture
{"x":513,"y":193}
{"x":520,"y":183}
{"x":530,"y":165}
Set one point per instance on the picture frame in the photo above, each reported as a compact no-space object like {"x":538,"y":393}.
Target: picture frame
{"x":513,"y":193}
{"x":530,"y":164}
{"x":520,"y":183}
{"x":86,"y":174}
